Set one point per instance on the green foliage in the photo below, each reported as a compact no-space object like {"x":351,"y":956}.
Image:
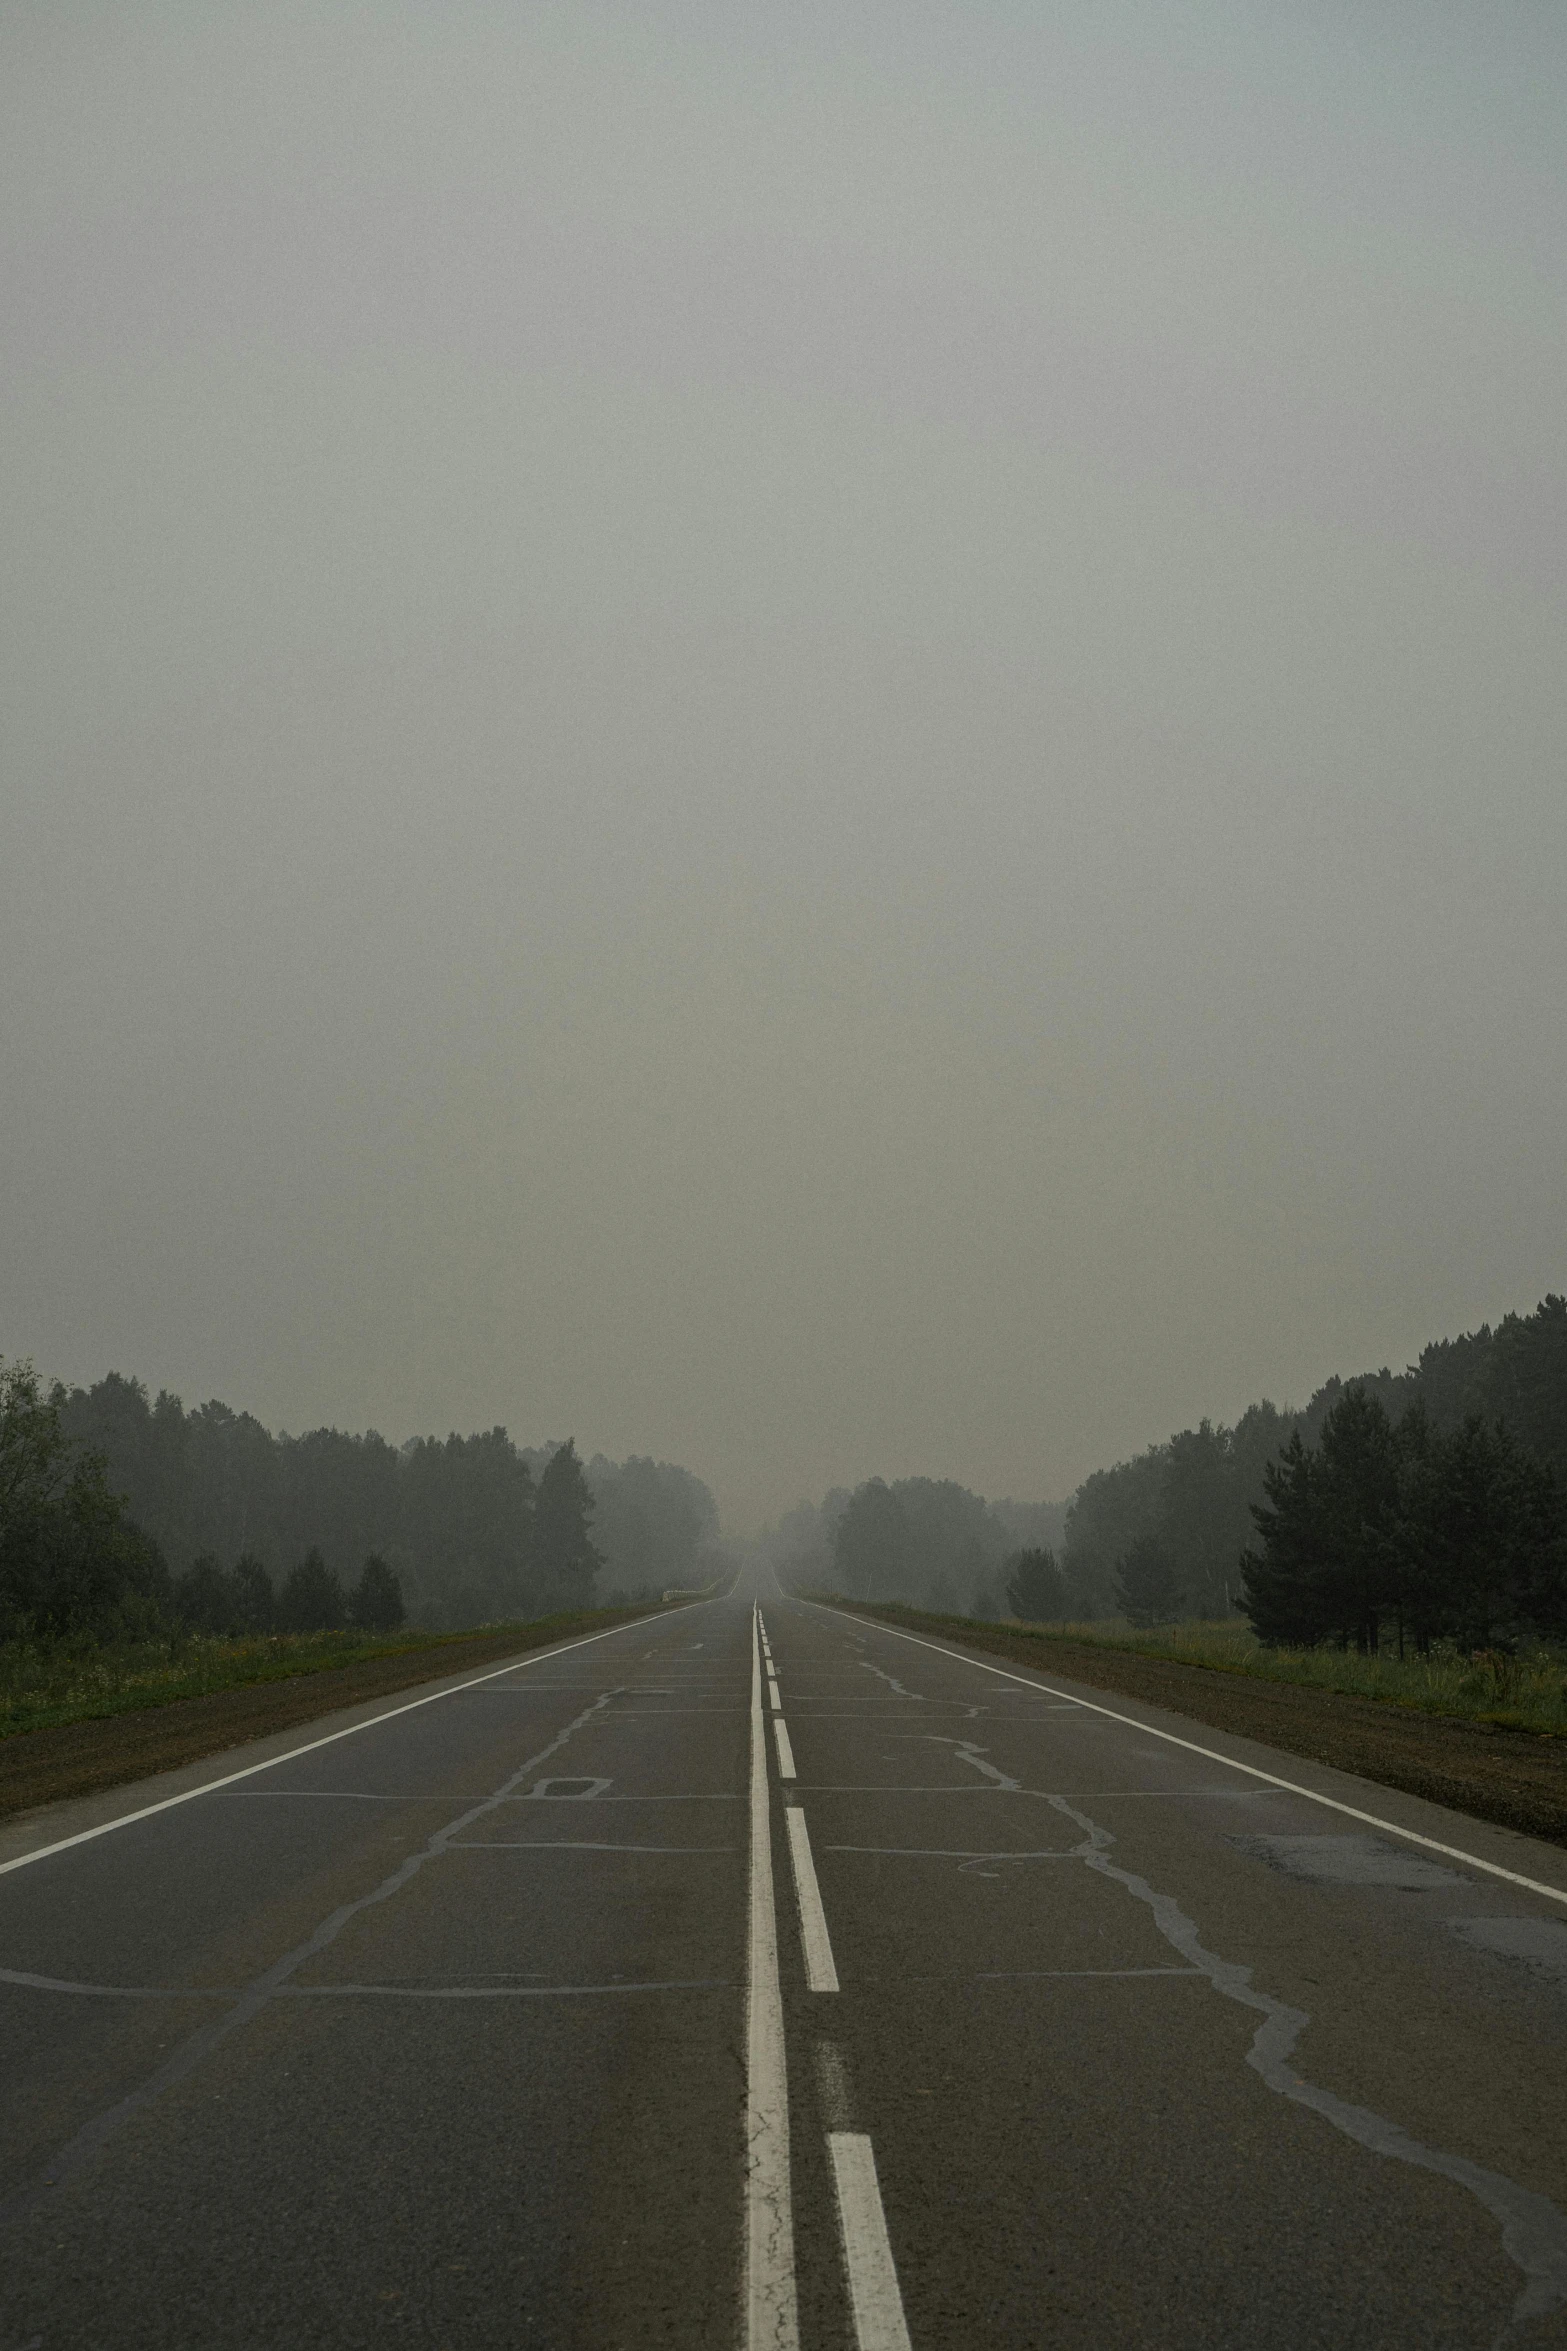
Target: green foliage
{"x":225,"y":1603}
{"x":1035,"y":1588}
{"x":871,"y":1543}
{"x":255,"y":1603}
{"x":1192,"y":1496}
{"x":921,"y":1540}
{"x":564,"y":1557}
{"x":311,"y":1600}
{"x":69,"y":1556}
{"x":1195,"y":1495}
{"x":654,"y":1524}
{"x":45,"y":1680}
{"x":205,"y":1600}
{"x":1147,"y":1588}
{"x":453,"y":1517}
{"x":1392,"y":1524}
{"x":1525,"y":1691}
{"x":376,"y":1602}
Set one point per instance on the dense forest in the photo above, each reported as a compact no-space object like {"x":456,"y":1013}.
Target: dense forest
{"x":1189,"y":1503}
{"x":927,"y":1541}
{"x":105,"y":1491}
{"x":1419,"y":1505}
{"x":1428,"y":1503}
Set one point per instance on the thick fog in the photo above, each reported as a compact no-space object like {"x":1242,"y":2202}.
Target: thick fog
{"x":823,"y":741}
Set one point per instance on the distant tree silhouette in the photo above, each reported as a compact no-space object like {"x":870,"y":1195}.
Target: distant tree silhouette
{"x":452,"y":1515}
{"x":376,"y":1602}
{"x":1036,"y":1591}
{"x":205,"y":1599}
{"x":311,"y":1600}
{"x":1147,"y":1588}
{"x":870,"y":1544}
{"x":70,"y":1558}
{"x":565,"y":1561}
{"x":255,"y":1603}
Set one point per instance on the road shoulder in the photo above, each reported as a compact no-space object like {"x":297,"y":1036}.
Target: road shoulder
{"x":77,"y":1760}
{"x":1509,"y":1778}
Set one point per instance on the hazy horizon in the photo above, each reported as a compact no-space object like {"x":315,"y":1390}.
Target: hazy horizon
{"x":824,"y":746}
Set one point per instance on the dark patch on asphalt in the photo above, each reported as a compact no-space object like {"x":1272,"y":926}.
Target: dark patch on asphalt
{"x":1350,"y":1861}
{"x":1541,"y":1943}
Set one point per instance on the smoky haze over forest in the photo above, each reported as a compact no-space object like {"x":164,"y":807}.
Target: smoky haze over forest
{"x":820,"y":744}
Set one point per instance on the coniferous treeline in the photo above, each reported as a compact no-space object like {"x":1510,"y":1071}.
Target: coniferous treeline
{"x":1396,"y":1529}
{"x":1182,"y":1514}
{"x":70,"y":1557}
{"x":1418,"y":1505}
{"x":132,"y":1503}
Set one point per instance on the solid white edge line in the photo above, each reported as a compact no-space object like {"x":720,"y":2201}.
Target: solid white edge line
{"x":821,"y":1975}
{"x":785,"y":1751}
{"x":879,"y":2324}
{"x":1292,"y":1787}
{"x":188,"y":1796}
{"x":771,"y":2321}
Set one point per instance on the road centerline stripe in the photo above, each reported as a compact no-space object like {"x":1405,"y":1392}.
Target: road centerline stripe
{"x":771,"y":2322}
{"x":874,"y":2296}
{"x":785,"y":1751}
{"x":821,"y":1975}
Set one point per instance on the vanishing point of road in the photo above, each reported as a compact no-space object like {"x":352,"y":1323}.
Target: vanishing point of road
{"x":758,"y":1976}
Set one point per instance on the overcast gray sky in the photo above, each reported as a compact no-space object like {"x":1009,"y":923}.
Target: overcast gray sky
{"x":826,"y":740}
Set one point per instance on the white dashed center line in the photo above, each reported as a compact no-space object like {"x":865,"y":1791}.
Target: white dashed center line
{"x":873,"y":2280}
{"x":785,"y":1751}
{"x":820,"y":1973}
{"x":770,"y":2305}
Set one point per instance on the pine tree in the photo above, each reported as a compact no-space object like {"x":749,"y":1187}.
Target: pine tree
{"x":1035,"y":1590}
{"x":255,"y":1600}
{"x":565,"y":1561}
{"x":311,"y":1600}
{"x":1147,"y":1589}
{"x":205,"y":1598}
{"x":376,"y":1602}
{"x":871,"y":1544}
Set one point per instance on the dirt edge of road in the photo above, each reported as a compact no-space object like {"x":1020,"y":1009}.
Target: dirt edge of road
{"x":79,"y":1758}
{"x":1513,"y":1778}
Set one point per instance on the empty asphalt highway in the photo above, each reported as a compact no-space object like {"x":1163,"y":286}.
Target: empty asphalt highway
{"x":760,"y":1976}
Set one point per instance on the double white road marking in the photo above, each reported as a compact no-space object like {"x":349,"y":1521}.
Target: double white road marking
{"x":771,"y":2308}
{"x":771,"y":2319}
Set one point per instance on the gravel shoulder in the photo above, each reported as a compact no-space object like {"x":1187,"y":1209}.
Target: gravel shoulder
{"x":63,"y":1760}
{"x":1514,"y":1778}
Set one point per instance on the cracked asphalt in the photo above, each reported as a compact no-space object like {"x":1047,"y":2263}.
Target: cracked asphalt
{"x":436,"y":2033}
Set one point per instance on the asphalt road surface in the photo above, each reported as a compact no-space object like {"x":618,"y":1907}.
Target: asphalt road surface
{"x":770,"y":1980}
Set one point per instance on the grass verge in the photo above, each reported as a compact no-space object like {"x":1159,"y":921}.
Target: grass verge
{"x":132,"y":1724}
{"x":1490,"y":1768}
{"x":44,"y":1683}
{"x":1523,"y":1693}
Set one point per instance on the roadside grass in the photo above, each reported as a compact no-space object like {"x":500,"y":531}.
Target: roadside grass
{"x":1527,"y":1692}
{"x":47,"y":1682}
